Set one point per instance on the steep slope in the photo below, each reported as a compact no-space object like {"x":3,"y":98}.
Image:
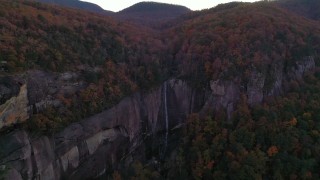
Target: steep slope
{"x":78,"y":5}
{"x":152,"y":13}
{"x":64,"y":55}
{"x":248,"y":71}
{"x":262,"y":65}
{"x":232,"y":40}
{"x":34,"y":34}
{"x":98,"y":144}
{"x":308,"y":9}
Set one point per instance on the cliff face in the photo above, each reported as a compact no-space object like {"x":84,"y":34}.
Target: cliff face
{"x":260,"y":85}
{"x":33,"y":91}
{"x":95,"y":145}
{"x":15,"y":109}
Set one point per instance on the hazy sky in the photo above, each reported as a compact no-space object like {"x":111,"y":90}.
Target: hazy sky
{"x":116,"y":5}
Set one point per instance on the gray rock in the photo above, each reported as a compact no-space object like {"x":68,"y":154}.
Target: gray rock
{"x":227,"y":101}
{"x":255,"y":87}
{"x":94,"y":145}
{"x":307,"y":64}
{"x":15,"y":110}
{"x":12,"y":174}
{"x":217,"y":88}
{"x":43,"y":154}
{"x":16,"y":151}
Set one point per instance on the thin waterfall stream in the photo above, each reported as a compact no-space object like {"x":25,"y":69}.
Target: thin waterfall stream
{"x":164,"y":142}
{"x":166,"y":115}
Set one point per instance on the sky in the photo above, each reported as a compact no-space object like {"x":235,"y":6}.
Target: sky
{"x":117,"y":5}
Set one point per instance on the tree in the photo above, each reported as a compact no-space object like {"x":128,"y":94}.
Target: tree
{"x":273,"y":150}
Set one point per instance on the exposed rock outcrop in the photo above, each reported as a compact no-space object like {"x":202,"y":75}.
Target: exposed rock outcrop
{"x":99,"y":141}
{"x":33,"y":92}
{"x":93,"y":146}
{"x":15,"y":109}
{"x":224,"y":95}
{"x":43,"y":88}
{"x":255,"y":87}
{"x":16,"y":152}
{"x":217,"y":88}
{"x":301,"y":67}
{"x":40,"y":159}
{"x":274,"y":79}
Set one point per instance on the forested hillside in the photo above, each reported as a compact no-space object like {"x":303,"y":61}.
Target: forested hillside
{"x":113,"y":59}
{"x":230,"y":92}
{"x":275,"y":139}
{"x":79,"y":5}
{"x":151,"y":13}
{"x":35,"y":35}
{"x":308,"y":8}
{"x":231,"y":40}
{"x":278,"y":139}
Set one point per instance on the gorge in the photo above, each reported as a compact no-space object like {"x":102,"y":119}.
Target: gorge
{"x":96,"y":145}
{"x":228,"y":92}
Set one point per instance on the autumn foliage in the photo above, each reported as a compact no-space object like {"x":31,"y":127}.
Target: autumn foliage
{"x":278,"y":139}
{"x":231,"y":40}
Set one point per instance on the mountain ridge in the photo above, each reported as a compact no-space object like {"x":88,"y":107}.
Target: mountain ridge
{"x":153,"y":6}
{"x":144,"y":13}
{"x":78,"y":5}
{"x":230,"y":92}
{"x":151,"y":13}
{"x":308,"y":9}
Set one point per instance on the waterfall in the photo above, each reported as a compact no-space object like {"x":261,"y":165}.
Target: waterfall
{"x":166,"y":114}
{"x":164,"y":140}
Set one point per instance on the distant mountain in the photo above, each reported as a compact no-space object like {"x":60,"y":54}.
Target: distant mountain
{"x":79,"y":5}
{"x":154,"y":7}
{"x":307,"y":8}
{"x":152,"y":12}
{"x":195,"y":14}
{"x":81,"y":92}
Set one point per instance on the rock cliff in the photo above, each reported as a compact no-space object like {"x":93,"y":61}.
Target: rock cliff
{"x":260,"y":85}
{"x":94,"y":146}
{"x":15,"y":109}
{"x":99,"y":141}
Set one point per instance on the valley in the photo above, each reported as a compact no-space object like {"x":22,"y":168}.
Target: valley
{"x":230,"y":92}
